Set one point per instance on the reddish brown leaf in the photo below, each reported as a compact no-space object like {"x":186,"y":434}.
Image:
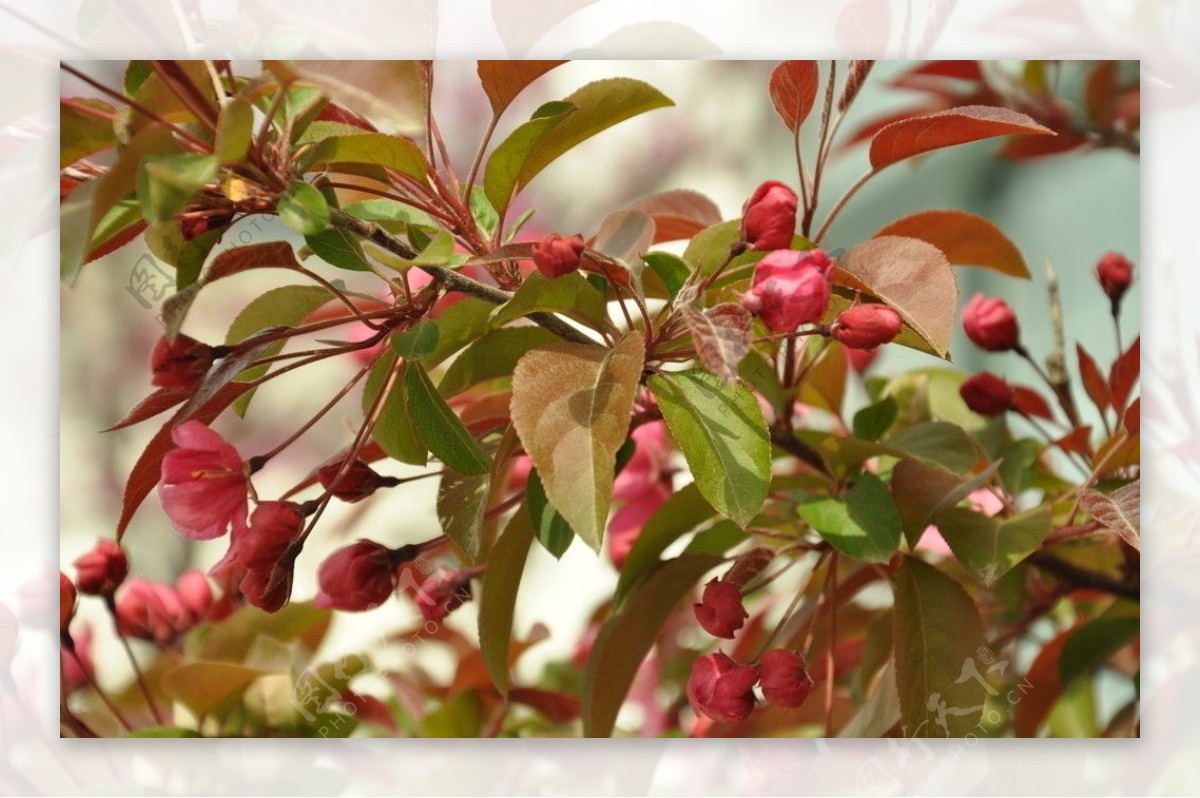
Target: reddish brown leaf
{"x":157,"y":402}
{"x":749,"y":565}
{"x":554,"y":706}
{"x":721,"y":335}
{"x":910,"y":275}
{"x":1124,"y":374}
{"x":1031,"y":403}
{"x":921,"y":134}
{"x":1133,"y":417}
{"x":1119,"y":511}
{"x":116,"y":241}
{"x":963,"y":70}
{"x":1093,"y":379}
{"x":336,"y":113}
{"x":1024,"y":148}
{"x":1041,"y":689}
{"x":1100,"y":91}
{"x":793,"y":89}
{"x":966,"y":240}
{"x":145,"y":473}
{"x":679,"y":214}
{"x":502,"y":81}
{"x":1077,"y":440}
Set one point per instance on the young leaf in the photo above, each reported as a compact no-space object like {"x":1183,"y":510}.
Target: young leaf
{"x":570,"y":406}
{"x":440,"y":428}
{"x":1124,"y":374}
{"x":550,"y":528}
{"x":873,"y":421}
{"x":1119,"y":511}
{"x":339,"y":248}
{"x":678,"y":214}
{"x":303,"y":208}
{"x":459,"y":325}
{"x":919,"y":134}
{"x":1094,"y":381}
{"x":203,"y":686}
{"x":1095,"y":642}
{"x":923,"y":493}
{"x":167,"y":183}
{"x":374,"y":150}
{"x":990,"y":547}
{"x":502,"y":175}
{"x":965,"y":239}
{"x":627,"y":636}
{"x":723,"y":435}
{"x":911,"y":276}
{"x":494,"y":355}
{"x":417,"y":342}
{"x":498,"y":597}
{"x":721,"y":335}
{"x":394,"y":431}
{"x":937,"y":633}
{"x":461,"y":503}
{"x":625,"y":236}
{"x":81,"y":134}
{"x":940,"y":443}
{"x":670,"y":269}
{"x":570,"y":295}
{"x":793,"y":89}
{"x":502,"y":81}
{"x":234,"y":128}
{"x":161,"y":400}
{"x":864,"y":527}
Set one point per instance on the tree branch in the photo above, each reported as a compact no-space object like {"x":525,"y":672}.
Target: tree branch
{"x":1073,"y":575}
{"x":798,"y":448}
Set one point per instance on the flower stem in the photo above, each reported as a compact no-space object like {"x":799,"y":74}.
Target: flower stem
{"x":110,"y":604}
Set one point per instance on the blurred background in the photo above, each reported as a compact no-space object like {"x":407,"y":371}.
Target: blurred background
{"x":722,"y":139}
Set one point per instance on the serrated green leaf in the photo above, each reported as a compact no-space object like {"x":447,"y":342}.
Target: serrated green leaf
{"x":865,"y":527}
{"x":374,"y":150}
{"x":721,"y":430}
{"x":234,"y":128}
{"x":303,"y":208}
{"x":937,"y":634}
{"x":570,"y":295}
{"x":990,"y":547}
{"x":498,"y":599}
{"x":394,"y":431}
{"x":872,"y":421}
{"x":338,"y":247}
{"x":417,"y":341}
{"x":461,"y":502}
{"x":459,"y":325}
{"x":494,"y":355}
{"x":501,"y":176}
{"x":671,"y":269}
{"x":550,"y":528}
{"x":437,"y":424}
{"x":167,"y":183}
{"x":684,"y":511}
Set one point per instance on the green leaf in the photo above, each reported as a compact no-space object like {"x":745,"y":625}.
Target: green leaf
{"x":684,"y":511}
{"x":494,"y":355}
{"x":938,"y":443}
{"x":287,"y":306}
{"x":550,"y":528}
{"x":394,"y":431}
{"x":393,"y":216}
{"x":80,"y":134}
{"x":721,"y":430}
{"x":135,"y":75}
{"x":502,"y":175}
{"x":374,"y":150}
{"x":990,"y":547}
{"x":163,"y":731}
{"x":234,"y":637}
{"x":459,"y":325}
{"x":937,"y":633}
{"x":498,"y":599}
{"x":627,"y":636}
{"x":1092,"y":644}
{"x":923,"y":493}
{"x":202,"y":686}
{"x":167,"y":183}
{"x":717,"y":539}
{"x":880,"y":712}
{"x":482,"y":211}
{"x":234,"y":128}
{"x":417,"y":341}
{"x":461,"y":503}
{"x":303,"y":208}
{"x":437,"y":424}
{"x":438,"y":252}
{"x":390,"y":93}
{"x":502,"y":81}
{"x":599,"y":106}
{"x":571,"y":405}
{"x":872,"y":421}
{"x":570,"y":295}
{"x":866,"y":526}
{"x":671,"y":269}
{"x":338,"y":247}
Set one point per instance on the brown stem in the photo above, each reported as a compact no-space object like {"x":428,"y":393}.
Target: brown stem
{"x":68,"y":645}
{"x":787,"y":441}
{"x":1078,"y":577}
{"x":111,"y":605}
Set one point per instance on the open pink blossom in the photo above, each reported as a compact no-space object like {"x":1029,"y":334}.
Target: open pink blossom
{"x":203,"y":485}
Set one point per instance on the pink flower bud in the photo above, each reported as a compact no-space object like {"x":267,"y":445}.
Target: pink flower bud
{"x":357,"y":577}
{"x":789,"y":289}
{"x":203,"y":486}
{"x":273,"y":527}
{"x":987,"y":394}
{"x":785,"y":679}
{"x":991,"y":324}
{"x":150,"y":611}
{"x":867,"y":326}
{"x":268,"y":588}
{"x":861,"y":359}
{"x":1115,"y":273}
{"x":720,"y":610}
{"x":721,"y":689}
{"x":181,"y":363}
{"x":769,"y":217}
{"x":555,"y":255}
{"x":195,"y":594}
{"x":101,"y":571}
{"x":76,"y":669}
{"x":443,"y":593}
{"x":66,"y":601}
{"x":359,"y":481}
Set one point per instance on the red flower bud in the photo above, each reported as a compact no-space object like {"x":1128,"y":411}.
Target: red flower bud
{"x":866,"y":326}
{"x":443,"y":593}
{"x":1115,"y":273}
{"x":101,"y":571}
{"x":359,"y":481}
{"x":273,"y":527}
{"x":195,"y":594}
{"x":769,"y":217}
{"x":66,"y":601}
{"x":861,"y":359}
{"x":555,"y":255}
{"x":785,"y":679}
{"x":268,"y":588}
{"x":789,"y":289}
{"x":150,"y":611}
{"x":987,"y":394}
{"x":181,"y":363}
{"x":991,"y":324}
{"x":720,"y":610}
{"x":720,"y":689}
{"x":357,"y":577}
